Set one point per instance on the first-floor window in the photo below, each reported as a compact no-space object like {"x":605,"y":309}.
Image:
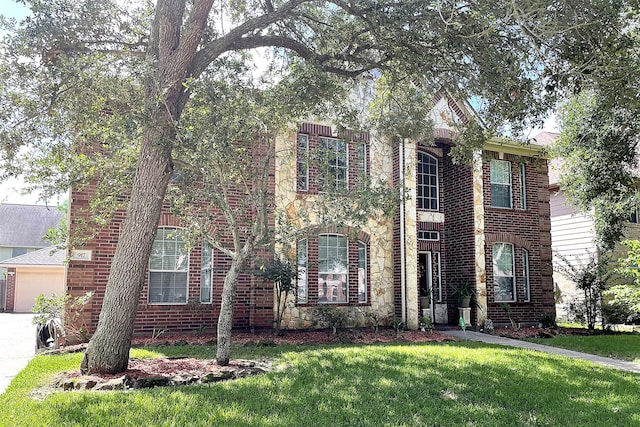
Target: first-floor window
{"x":302,"y":271}
{"x":525,"y":275}
{"x":332,"y":268}
{"x":503,"y":273}
{"x":362,"y":272}
{"x":206,"y":274}
{"x":168,"y":268}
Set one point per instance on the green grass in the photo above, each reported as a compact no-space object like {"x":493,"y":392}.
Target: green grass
{"x":455,"y":384}
{"x":619,"y":346}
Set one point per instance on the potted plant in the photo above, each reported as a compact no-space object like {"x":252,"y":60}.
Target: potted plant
{"x":425,"y":291}
{"x":425,"y":297}
{"x":465,"y":294}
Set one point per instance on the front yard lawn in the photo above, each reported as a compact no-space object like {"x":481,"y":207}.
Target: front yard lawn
{"x":619,"y":346}
{"x":453,"y":384}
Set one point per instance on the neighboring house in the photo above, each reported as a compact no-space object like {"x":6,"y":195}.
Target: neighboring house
{"x":22,"y":228}
{"x":32,"y":274}
{"x":486,"y":224}
{"x":572,"y":232}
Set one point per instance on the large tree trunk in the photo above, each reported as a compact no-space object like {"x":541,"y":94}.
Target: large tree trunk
{"x":225,"y":320}
{"x":108,"y":350}
{"x":172,"y":49}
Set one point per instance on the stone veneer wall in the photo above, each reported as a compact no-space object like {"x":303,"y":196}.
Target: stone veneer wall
{"x":528,"y":228}
{"x":298,"y":209}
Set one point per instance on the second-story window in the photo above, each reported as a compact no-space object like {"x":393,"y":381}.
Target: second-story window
{"x":500,"y":183}
{"x":303,"y":163}
{"x":333,"y":164}
{"x":427,"y":182}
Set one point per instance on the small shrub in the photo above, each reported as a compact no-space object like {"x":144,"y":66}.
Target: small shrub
{"x":331,"y":317}
{"x":513,"y":319}
{"x":426,"y":324}
{"x":398,"y":325}
{"x":63,"y":307}
{"x":548,"y":320}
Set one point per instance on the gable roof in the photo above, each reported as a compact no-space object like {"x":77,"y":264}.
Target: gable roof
{"x":24,"y":225}
{"x":41,"y":257}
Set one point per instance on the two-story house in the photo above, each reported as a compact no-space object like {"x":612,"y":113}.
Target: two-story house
{"x":485,"y":224}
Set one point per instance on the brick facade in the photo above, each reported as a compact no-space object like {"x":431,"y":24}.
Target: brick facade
{"x":254,"y":302}
{"x":526,"y":228}
{"x":455,"y":221}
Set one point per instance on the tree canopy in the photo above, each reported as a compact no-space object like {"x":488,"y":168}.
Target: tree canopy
{"x":127,"y":91}
{"x":600,"y":126}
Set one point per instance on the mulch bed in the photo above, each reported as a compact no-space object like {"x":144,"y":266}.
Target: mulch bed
{"x":144,"y":368}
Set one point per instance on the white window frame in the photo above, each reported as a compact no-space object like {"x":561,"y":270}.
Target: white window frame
{"x":206,"y":271}
{"x":336,"y":277}
{"x":526,"y":282}
{"x":523,"y":186}
{"x":495,"y":182}
{"x":362,"y":158}
{"x":330,"y":158}
{"x":438,"y":286}
{"x":362,"y":272}
{"x":302,"y":169}
{"x":496,"y":272}
{"x":164,"y":268}
{"x":428,"y":235}
{"x":303,"y":271}
{"x":424,"y":199}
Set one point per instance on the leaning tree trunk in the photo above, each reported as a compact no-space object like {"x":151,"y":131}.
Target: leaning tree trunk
{"x":172,"y":47}
{"x":108,"y":350}
{"x":225,"y":320}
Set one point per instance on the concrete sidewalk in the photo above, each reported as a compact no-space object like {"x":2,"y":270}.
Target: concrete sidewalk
{"x":17,"y":345}
{"x":494,"y":339}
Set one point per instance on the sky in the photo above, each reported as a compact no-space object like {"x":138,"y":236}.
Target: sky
{"x":11,"y":191}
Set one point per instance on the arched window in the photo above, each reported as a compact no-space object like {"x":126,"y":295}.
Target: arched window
{"x":168,"y":268}
{"x":427,"y":182}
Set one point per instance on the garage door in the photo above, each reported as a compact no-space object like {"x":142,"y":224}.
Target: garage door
{"x":31,"y":283}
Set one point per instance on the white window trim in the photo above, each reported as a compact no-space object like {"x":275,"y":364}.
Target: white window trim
{"x":526,"y":280}
{"x":513,"y":269}
{"x":437,"y":208}
{"x":346,"y":273}
{"x":422,"y":233}
{"x":303,"y":282}
{"x":300,"y":158}
{"x":210,"y":272}
{"x":321,"y":176}
{"x":523,"y":186}
{"x":510,"y":184}
{"x":168,"y":271}
{"x":366,"y":270}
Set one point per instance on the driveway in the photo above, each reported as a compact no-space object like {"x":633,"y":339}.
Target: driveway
{"x":17,"y":345}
